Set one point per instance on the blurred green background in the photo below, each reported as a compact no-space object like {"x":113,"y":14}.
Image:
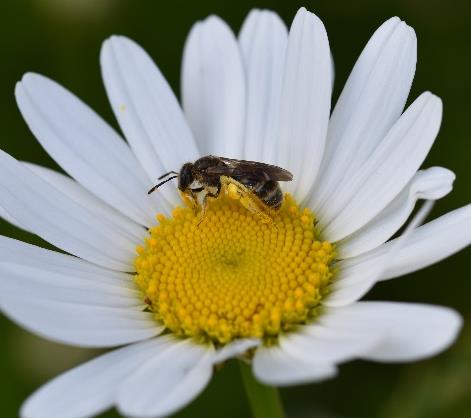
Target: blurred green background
{"x":61,"y":39}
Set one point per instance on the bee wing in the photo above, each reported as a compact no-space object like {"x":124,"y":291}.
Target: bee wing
{"x":251,"y":169}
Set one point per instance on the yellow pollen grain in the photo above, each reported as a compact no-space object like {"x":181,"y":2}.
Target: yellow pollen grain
{"x":232,"y":276}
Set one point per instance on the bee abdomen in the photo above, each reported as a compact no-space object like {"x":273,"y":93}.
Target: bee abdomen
{"x":270,"y":193}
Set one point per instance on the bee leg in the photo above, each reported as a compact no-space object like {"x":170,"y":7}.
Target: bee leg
{"x":202,"y":214}
{"x":248,"y":202}
{"x":237,"y":191}
{"x":204,"y":205}
{"x":189,"y":200}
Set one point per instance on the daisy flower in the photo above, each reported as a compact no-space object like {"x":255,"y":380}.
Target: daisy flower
{"x":137,"y":272}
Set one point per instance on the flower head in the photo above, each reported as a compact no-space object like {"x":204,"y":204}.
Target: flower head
{"x":186,"y":295}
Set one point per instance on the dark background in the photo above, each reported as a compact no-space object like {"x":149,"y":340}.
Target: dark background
{"x":61,"y":39}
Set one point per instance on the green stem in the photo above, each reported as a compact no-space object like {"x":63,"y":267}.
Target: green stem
{"x":265,"y":401}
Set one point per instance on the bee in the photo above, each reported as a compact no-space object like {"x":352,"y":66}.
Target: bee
{"x":253,"y":183}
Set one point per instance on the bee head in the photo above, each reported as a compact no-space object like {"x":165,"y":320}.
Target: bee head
{"x":185,"y":178}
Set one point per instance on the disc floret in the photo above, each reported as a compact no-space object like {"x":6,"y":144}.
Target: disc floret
{"x":232,"y":276}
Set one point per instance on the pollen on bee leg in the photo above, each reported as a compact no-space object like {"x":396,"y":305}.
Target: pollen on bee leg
{"x":250,"y":205}
{"x":234,"y":276}
{"x":232,"y":191}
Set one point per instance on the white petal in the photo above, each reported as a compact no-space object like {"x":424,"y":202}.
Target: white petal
{"x":21,"y":253}
{"x":414,"y":331}
{"x":263,"y":39}
{"x":80,"y":288}
{"x":332,"y":64}
{"x":391,"y":166}
{"x":61,"y":221}
{"x":430,"y":184}
{"x":234,"y":349}
{"x":356,"y":285}
{"x":79,"y":194}
{"x":305,"y":102}
{"x":69,"y":300}
{"x":83,"y":197}
{"x":320,"y":344}
{"x":147,"y":110}
{"x":337,"y":335}
{"x":372,"y":100}
{"x":427,"y":245}
{"x":274,"y":366}
{"x":73,"y":309}
{"x":7,"y":217}
{"x":213,"y":88}
{"x":354,"y":278}
{"x":169,"y":381}
{"x":83,"y":326}
{"x":406,"y":331}
{"x":91,"y":388}
{"x":85,"y":146}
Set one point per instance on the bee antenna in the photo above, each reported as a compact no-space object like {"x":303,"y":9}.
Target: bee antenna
{"x":160,"y":184}
{"x":166,"y":174}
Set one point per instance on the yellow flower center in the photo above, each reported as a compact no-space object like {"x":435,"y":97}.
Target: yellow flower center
{"x":232,"y":276}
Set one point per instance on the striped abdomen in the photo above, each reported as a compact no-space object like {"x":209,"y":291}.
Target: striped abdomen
{"x":269,"y":192}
